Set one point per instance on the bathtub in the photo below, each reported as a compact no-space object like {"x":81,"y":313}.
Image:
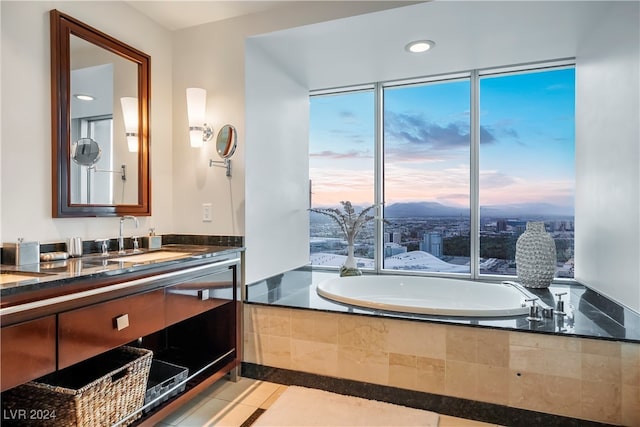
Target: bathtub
{"x":428,"y":295}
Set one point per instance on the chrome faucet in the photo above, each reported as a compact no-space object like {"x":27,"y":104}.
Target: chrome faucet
{"x":120,"y":238}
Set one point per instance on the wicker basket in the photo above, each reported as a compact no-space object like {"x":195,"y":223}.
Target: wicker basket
{"x":100,"y":391}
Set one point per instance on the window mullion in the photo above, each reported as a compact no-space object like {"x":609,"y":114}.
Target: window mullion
{"x":379,"y":177}
{"x":474,"y":179}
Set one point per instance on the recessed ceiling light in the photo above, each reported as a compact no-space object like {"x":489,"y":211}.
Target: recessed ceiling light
{"x":82,"y":97}
{"x":419,"y":46}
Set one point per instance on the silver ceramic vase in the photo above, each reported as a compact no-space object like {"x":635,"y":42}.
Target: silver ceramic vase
{"x":535,"y":256}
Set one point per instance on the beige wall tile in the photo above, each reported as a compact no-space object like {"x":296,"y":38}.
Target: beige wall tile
{"x":545,"y":361}
{"x":493,"y":384}
{"x":493,"y":347}
{"x":601,"y":348}
{"x":601,"y":368}
{"x":252,"y":348}
{"x":601,"y":402}
{"x":545,"y":393}
{"x":461,"y":379}
{"x":630,"y":406}
{"x":276,"y":351}
{"x":416,"y":338}
{"x":525,"y":339}
{"x":257,"y":319}
{"x":247,"y":315}
{"x":314,"y":326}
{"x":316,"y":357}
{"x":403,"y":371}
{"x":431,"y":375}
{"x":581,"y":378}
{"x":363,"y":332}
{"x":630,"y":354}
{"x":279,"y":322}
{"x":363,"y":365}
{"x":461,"y":344}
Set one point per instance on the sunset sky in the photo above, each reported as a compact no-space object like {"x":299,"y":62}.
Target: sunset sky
{"x":526,"y":142}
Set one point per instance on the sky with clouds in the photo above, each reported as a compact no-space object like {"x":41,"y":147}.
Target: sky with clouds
{"x":526,"y":142}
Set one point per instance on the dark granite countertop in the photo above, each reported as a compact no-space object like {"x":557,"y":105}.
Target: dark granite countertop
{"x":588,"y":314}
{"x":18,"y":280}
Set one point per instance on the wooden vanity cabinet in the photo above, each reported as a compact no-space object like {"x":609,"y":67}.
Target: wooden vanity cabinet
{"x":195,"y":296}
{"x":188,"y":316}
{"x":27,"y":351}
{"x":92,"y":330}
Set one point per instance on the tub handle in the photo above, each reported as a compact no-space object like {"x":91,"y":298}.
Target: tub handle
{"x":534,"y":310}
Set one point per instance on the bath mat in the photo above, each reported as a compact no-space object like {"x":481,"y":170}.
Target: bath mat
{"x":300,"y":406}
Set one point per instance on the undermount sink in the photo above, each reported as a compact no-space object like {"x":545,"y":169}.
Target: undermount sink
{"x":150,"y":256}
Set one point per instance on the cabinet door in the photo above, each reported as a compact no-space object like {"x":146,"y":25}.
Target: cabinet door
{"x":92,"y":330}
{"x":27,"y":351}
{"x":197,"y":295}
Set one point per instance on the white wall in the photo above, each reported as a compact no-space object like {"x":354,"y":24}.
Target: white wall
{"x":608,"y":157}
{"x":265,"y":200}
{"x":26,"y":118}
{"x":277,"y":190}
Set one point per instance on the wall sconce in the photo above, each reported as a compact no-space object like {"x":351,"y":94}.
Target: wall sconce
{"x":199,"y":131}
{"x":130,"y":114}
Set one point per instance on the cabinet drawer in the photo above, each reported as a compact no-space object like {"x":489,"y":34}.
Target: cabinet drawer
{"x":91,"y":330}
{"x":198,"y":295}
{"x":27,"y":351}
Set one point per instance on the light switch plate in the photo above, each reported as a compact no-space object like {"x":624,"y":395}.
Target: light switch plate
{"x":207,"y":214}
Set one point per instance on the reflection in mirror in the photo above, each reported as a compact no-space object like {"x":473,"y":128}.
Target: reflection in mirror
{"x":86,"y":152}
{"x":99,"y":78}
{"x":226,"y":141}
{"x":94,"y":77}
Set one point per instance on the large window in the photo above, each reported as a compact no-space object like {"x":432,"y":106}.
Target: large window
{"x":526,"y":164}
{"x":427,"y":144}
{"x":341,"y":168}
{"x":463,"y":163}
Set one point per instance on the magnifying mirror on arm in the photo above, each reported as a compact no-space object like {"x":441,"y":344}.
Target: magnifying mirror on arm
{"x":86,"y":152}
{"x":225,"y":146}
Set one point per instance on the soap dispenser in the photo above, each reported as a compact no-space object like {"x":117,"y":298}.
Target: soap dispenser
{"x":152,"y":241}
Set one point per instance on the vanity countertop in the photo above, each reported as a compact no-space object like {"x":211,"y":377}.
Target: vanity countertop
{"x":19,"y":282}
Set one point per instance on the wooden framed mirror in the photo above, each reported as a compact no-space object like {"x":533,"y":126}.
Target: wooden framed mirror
{"x":97,"y":83}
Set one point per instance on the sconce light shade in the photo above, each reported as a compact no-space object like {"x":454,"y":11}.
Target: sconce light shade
{"x":130,"y":114}
{"x":196,"y":108}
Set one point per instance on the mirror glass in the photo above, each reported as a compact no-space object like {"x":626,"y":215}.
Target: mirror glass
{"x":86,"y":152}
{"x":100,"y":160}
{"x":226,"y":141}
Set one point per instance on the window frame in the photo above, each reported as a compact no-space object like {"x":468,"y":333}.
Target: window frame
{"x":474,"y":77}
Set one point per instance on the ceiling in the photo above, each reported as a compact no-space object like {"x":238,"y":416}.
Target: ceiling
{"x":369,"y":47}
{"x":468,"y":35}
{"x":176,"y":15}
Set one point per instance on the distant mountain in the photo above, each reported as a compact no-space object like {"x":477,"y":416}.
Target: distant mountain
{"x":422,"y":209}
{"x":434,"y":209}
{"x":526,"y":209}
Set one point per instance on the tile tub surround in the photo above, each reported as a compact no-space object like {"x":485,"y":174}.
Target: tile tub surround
{"x":595,"y":380}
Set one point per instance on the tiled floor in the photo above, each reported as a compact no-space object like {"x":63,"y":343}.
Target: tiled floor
{"x":226,"y":403}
